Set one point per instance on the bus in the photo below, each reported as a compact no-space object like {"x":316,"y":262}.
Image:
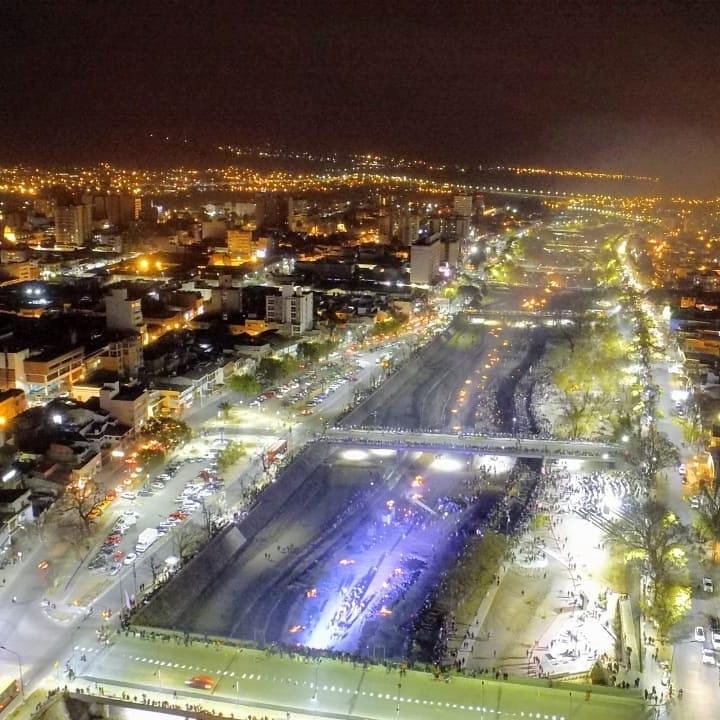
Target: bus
{"x":276,"y":451}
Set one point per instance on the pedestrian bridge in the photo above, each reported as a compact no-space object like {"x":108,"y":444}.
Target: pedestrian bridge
{"x":479,"y":444}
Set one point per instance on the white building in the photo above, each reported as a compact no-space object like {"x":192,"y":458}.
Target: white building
{"x":425,"y":259}
{"x":408,"y":228}
{"x":123,"y":313}
{"x":291,"y":308}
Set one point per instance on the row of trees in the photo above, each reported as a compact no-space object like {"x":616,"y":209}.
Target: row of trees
{"x":596,"y":398}
{"x":651,"y":538}
{"x":273,"y":369}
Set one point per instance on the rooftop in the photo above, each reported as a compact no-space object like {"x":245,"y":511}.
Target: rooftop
{"x":129,"y":393}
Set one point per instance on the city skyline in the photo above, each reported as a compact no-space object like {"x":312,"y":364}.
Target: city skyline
{"x":573,"y":85}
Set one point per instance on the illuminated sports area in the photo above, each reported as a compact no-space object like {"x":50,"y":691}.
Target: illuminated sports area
{"x":341,"y":553}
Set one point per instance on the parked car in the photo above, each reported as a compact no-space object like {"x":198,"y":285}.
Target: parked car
{"x":699,"y":635}
{"x":708,"y":656}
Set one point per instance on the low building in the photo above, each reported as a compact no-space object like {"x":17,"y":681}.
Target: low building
{"x":15,"y":510}
{"x":176,"y":394}
{"x":127,"y":403}
{"x":12,"y":403}
{"x":53,"y":370}
{"x":180,"y":392}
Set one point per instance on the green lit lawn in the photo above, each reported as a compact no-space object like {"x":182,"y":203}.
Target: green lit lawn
{"x":344,"y":691}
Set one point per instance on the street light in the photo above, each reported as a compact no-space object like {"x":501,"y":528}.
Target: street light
{"x":315,"y":684}
{"x":19,"y":662}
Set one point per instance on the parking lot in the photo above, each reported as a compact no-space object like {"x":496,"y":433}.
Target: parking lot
{"x":186,"y":492}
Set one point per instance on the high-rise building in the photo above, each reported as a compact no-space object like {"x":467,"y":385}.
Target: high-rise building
{"x":240,"y":243}
{"x":292,"y":308}
{"x":73,"y":224}
{"x":463,"y":205}
{"x":225,"y":298}
{"x":124,"y":354}
{"x":271,"y":211}
{"x":123,"y":313}
{"x":425,"y":259}
{"x":408,"y":228}
{"x":117,"y":209}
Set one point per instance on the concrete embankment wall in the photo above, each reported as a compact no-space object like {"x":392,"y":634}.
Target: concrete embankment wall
{"x":184,"y":589}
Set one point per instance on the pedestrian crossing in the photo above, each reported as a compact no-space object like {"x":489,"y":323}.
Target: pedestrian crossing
{"x":317,"y":687}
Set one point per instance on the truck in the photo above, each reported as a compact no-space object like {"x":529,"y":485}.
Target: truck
{"x":145,"y":539}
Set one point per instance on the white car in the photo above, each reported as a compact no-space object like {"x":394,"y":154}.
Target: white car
{"x":682,"y":469}
{"x":708,"y":656}
{"x":130,"y":558}
{"x":708,"y":585}
{"x":699,"y":634}
{"x":715,"y":638}
{"x":128,"y":495}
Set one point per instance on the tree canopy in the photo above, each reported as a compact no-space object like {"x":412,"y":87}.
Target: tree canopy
{"x":244,"y":384}
{"x":169,"y":432}
{"x":652,"y":537}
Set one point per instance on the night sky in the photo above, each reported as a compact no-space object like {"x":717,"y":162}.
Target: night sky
{"x":632,"y":86}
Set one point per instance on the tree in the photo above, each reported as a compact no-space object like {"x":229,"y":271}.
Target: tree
{"x":224,"y":407}
{"x":229,"y":455}
{"x":244,"y":384}
{"x":150,"y":456}
{"x":657,"y":452}
{"x":271,"y":369}
{"x":83,"y":499}
{"x":598,"y":674}
{"x":579,"y":414}
{"x":168,"y":432}
{"x":671,"y":603}
{"x":692,"y":429}
{"x":708,"y":515}
{"x":650,"y":535}
{"x":314,"y":351}
{"x":187,"y":540}
{"x":274,"y":369}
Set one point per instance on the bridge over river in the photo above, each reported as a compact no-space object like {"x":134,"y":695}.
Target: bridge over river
{"x":480,"y":444}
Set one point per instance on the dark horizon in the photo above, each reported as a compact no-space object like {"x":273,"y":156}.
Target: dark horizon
{"x":572,"y":85}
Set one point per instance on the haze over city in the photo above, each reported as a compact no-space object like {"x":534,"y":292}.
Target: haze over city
{"x":615,"y":86}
